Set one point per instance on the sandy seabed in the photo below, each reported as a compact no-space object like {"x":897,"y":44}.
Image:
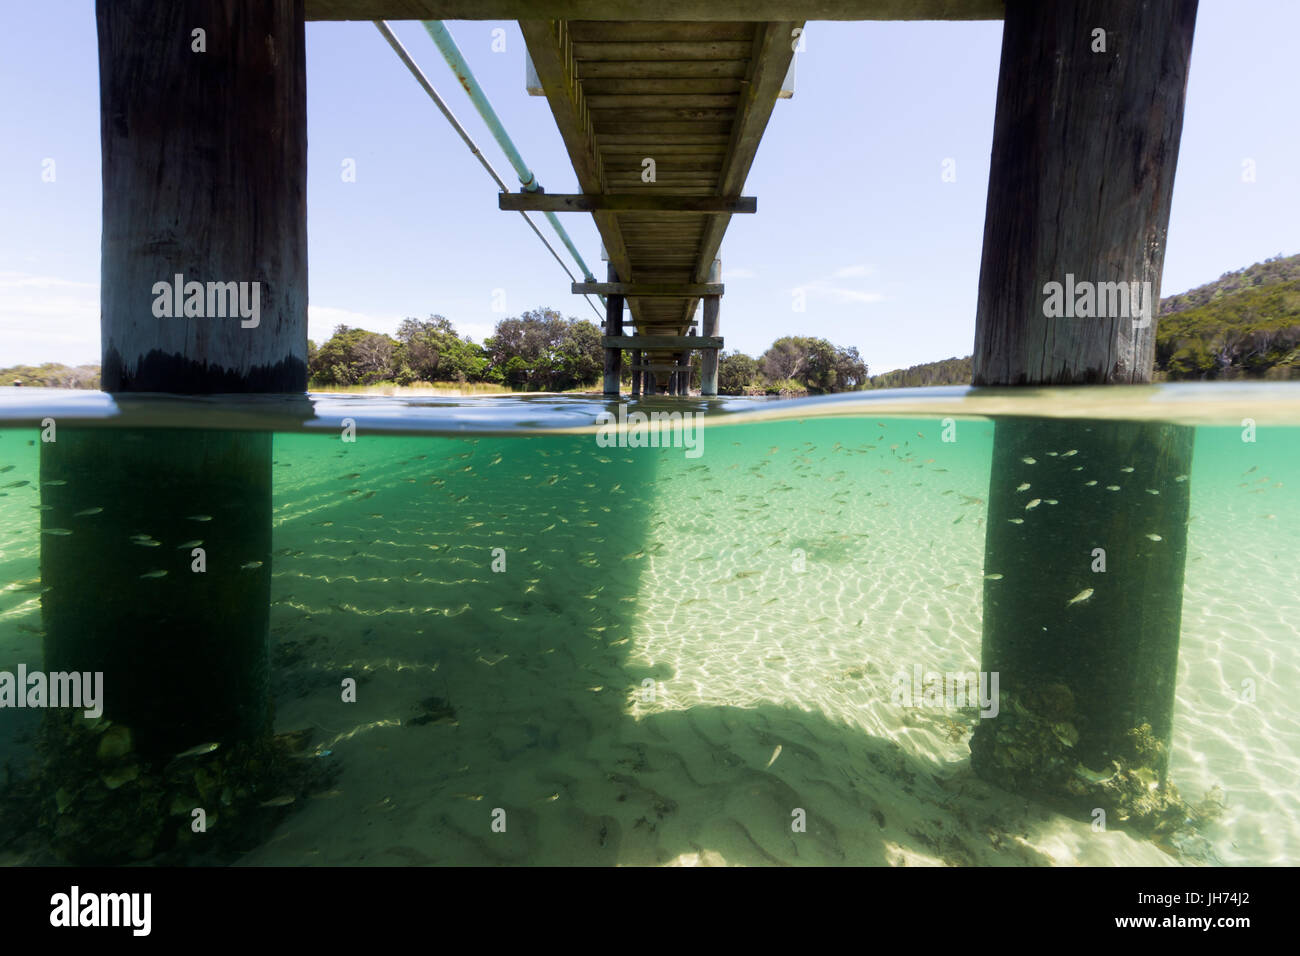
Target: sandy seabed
{"x":683,"y":656}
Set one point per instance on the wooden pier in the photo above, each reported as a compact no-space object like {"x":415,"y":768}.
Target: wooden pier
{"x":662,"y":107}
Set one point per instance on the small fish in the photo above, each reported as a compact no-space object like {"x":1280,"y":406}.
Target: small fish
{"x":1112,"y":487}
{"x":198,"y":751}
{"x":777,"y":752}
{"x":6,"y":468}
{"x":200,"y":517}
{"x":993,"y":577}
{"x":1152,"y":491}
{"x":146,"y":542}
{"x":18,"y":484}
{"x":1052,"y":501}
{"x":1072,"y":451}
{"x":54,"y":484}
{"x":1023,"y":486}
{"x":154,"y":574}
{"x":1155,"y":537}
{"x":1127,"y":469}
{"x":87,"y":511}
{"x":1180,"y":478}
{"x":1016,"y":520}
{"x":58,"y":531}
{"x":1089,"y":484}
{"x":1252,"y":468}
{"x":249,"y":566}
{"x":282,"y":801}
{"x":1080,"y":597}
{"x":1033,"y":504}
{"x":189,"y":544}
{"x":1030,"y":461}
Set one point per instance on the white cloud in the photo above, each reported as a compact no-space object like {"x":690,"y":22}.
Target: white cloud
{"x":853,"y":272}
{"x":47,"y":319}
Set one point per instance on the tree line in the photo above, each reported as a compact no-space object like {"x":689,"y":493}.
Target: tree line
{"x":541,"y":350}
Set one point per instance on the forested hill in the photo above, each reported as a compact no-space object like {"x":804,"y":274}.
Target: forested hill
{"x":1269,"y":272}
{"x":1245,"y":324}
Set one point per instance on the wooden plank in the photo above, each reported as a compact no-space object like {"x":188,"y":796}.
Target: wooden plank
{"x":633,"y":289}
{"x":692,"y":102}
{"x":663,"y":50}
{"x":651,"y":69}
{"x":649,"y":202}
{"x":630,"y":30}
{"x":662,"y":342}
{"x":657,"y":367}
{"x":626,"y":86}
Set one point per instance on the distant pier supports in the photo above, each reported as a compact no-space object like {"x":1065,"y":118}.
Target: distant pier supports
{"x":636,"y":372}
{"x":1085,"y":143}
{"x":203,"y":124}
{"x":709,"y":327}
{"x":613,"y":326}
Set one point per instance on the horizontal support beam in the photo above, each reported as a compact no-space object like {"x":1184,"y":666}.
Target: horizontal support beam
{"x":616,"y":202}
{"x":661,"y":341}
{"x":751,"y":10}
{"x":672,"y":290}
{"x":658,"y":368}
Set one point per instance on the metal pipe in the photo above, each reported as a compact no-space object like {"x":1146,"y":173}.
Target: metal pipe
{"x":438,"y":101}
{"x":451,"y":53}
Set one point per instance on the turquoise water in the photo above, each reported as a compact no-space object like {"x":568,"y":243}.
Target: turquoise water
{"x":506,"y":644}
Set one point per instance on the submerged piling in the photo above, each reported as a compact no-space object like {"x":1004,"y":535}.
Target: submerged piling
{"x":1084,"y":559}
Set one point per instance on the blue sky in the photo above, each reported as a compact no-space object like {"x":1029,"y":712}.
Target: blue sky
{"x":852,"y":206}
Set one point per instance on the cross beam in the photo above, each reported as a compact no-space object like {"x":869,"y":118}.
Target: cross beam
{"x":601,"y":202}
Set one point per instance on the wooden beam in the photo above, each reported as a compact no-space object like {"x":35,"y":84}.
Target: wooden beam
{"x":664,"y":342}
{"x":1080,"y":185}
{"x":552,"y":54}
{"x":773,"y":51}
{"x":657,"y":367}
{"x":692,"y":10}
{"x":670,"y":290}
{"x":556,"y":202}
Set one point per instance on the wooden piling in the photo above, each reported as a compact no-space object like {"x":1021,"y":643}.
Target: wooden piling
{"x":709,"y":327}
{"x":1085,"y":143}
{"x":203,"y":126}
{"x":1083,"y":588}
{"x":636,"y":373}
{"x":613,"y":326}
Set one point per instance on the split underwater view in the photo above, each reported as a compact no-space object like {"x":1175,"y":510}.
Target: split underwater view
{"x":928,"y":627}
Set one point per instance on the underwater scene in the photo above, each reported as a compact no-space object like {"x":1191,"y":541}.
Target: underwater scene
{"x":841,"y":638}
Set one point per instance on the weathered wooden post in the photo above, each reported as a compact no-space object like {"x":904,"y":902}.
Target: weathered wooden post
{"x":709,"y":326}
{"x":204,"y":135}
{"x":1086,"y":537}
{"x":613,"y":326}
{"x":636,"y":372}
{"x":159,"y":573}
{"x":1085,"y":143}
